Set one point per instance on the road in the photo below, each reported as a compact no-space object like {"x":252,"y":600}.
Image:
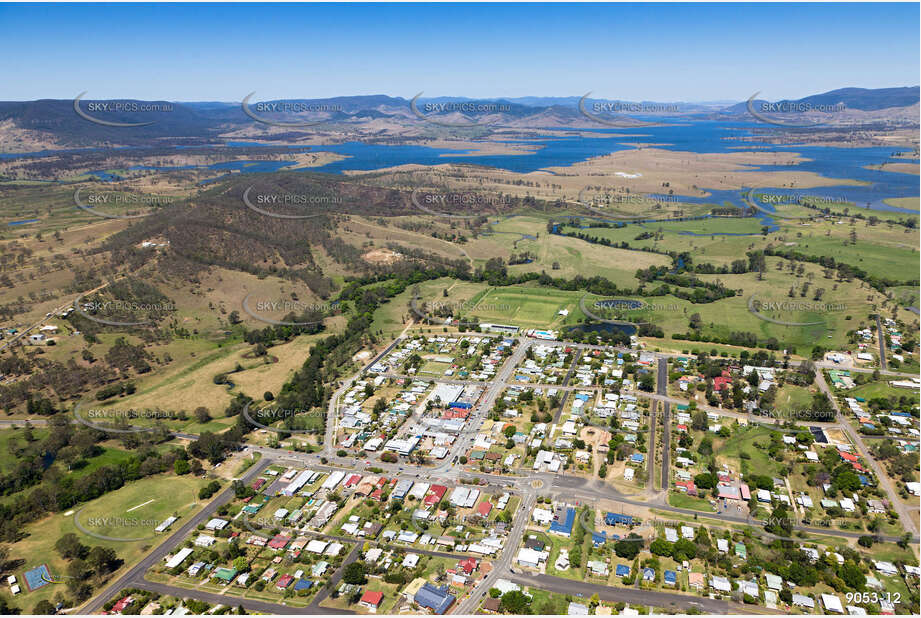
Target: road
{"x":651,"y":452}
{"x":136,"y":573}
{"x":904,"y":511}
{"x":575,"y":360}
{"x":250,"y":605}
{"x":633,"y":596}
{"x":501,"y":566}
{"x":662,"y":389}
{"x":883,"y":363}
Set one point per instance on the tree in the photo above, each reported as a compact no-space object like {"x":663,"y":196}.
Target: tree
{"x":684,"y":550}
{"x":103,"y":560}
{"x":866,"y":541}
{"x":355,"y":573}
{"x":661,"y":547}
{"x":852,"y":575}
{"x":70,"y":547}
{"x":780,"y":522}
{"x":515,"y":602}
{"x":181,"y":466}
{"x":699,"y":421}
{"x":705,"y":480}
{"x":629,"y":547}
{"x":202,"y":415}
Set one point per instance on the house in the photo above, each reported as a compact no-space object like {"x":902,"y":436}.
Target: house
{"x":531,"y":558}
{"x":205,"y":540}
{"x":577,"y":609}
{"x":671,"y":578}
{"x":649,"y":574}
{"x":612,"y":519}
{"x":696,"y":580}
{"x":741,"y":551}
{"x":372,"y":599}
{"x":542,"y":516}
{"x":832,"y":604}
{"x":284,"y":581}
{"x":774,"y":582}
{"x":720,"y":584}
{"x":196,"y":568}
{"x":801,"y":600}
{"x":622,"y":570}
{"x":302,"y":584}
{"x":225,"y":574}
{"x":178,"y":558}
{"x":468,"y":565}
{"x":886,"y":568}
{"x":562,"y":560}
{"x":564,"y":528}
{"x":123,"y":603}
{"x":598,"y":567}
{"x":279,"y":542}
{"x":435,"y":598}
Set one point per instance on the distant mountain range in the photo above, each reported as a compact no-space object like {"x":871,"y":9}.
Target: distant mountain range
{"x":851,"y":98}
{"x":54,"y":120}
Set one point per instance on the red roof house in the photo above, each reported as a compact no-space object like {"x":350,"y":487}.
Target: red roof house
{"x":372,"y":599}
{"x":284,"y":581}
{"x":468,"y":565}
{"x":121,"y":605}
{"x":436,"y":493}
{"x":280,"y":541}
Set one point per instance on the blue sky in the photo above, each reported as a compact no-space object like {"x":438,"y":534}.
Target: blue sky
{"x":221,"y":52}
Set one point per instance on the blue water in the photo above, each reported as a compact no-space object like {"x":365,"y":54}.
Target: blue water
{"x":706,"y":136}
{"x":23,"y":222}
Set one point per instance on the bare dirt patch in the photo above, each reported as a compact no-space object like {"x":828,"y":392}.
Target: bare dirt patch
{"x":381,"y":256}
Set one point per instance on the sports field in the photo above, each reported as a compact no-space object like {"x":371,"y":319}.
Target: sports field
{"x":170,"y":493}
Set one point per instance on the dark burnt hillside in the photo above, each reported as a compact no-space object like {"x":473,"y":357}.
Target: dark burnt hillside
{"x":217,"y":228}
